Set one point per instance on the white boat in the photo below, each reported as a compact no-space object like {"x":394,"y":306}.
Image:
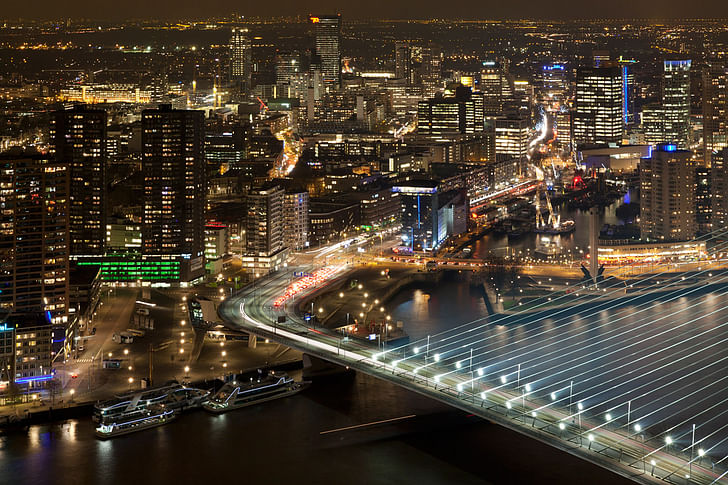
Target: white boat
{"x":146,"y":408}
{"x":151,"y":418}
{"x":235,"y":395}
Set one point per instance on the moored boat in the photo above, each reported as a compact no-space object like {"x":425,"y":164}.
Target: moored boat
{"x":237,"y":394}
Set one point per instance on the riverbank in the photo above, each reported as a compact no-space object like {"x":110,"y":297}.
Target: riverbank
{"x":357,"y":303}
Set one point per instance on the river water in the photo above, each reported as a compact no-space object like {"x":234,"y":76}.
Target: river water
{"x":289,"y":441}
{"x":499,"y":245}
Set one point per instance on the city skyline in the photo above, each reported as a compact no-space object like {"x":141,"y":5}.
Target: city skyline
{"x":555,"y":10}
{"x":437,"y":251}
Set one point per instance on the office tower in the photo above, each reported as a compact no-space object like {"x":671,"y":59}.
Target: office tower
{"x":628,"y":91}
{"x":715,"y":109}
{"x":597,"y":116}
{"x":173,"y":167}
{"x":719,"y":189}
{"x":653,"y":124}
{"x":328,"y":38}
{"x":562,"y":128}
{"x":226,"y":148}
{"x":430,"y":70}
{"x":667,"y":195}
{"x":703,"y":199}
{"x":295,"y":219}
{"x":491,"y":87}
{"x":288,"y":65}
{"x":264,"y":232}
{"x":511,"y":138}
{"x":403,"y":61}
{"x":240,"y":60}
{"x":553,"y":85}
{"x":443,"y":116}
{"x":78,"y":140}
{"x":676,"y":102}
{"x":34,"y":236}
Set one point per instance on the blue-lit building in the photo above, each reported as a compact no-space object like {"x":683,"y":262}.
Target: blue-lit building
{"x":628,"y":91}
{"x":26,"y":342}
{"x":429,"y":216}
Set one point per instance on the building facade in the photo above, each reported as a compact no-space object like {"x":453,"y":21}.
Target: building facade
{"x":173,"y":167}
{"x":34,"y":251}
{"x":328,"y":38}
{"x":597,"y":116}
{"x":78,"y":140}
{"x":667,"y":195}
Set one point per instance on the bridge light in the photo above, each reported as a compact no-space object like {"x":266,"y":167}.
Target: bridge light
{"x":508,"y":404}
{"x":459,"y":387}
{"x":533,"y":413}
{"x":653,"y":462}
{"x":637,"y":427}
{"x":482,"y":395}
{"x":437,"y":357}
{"x":458,"y":364}
{"x":608,"y":417}
{"x":668,"y":440}
{"x":437,"y":378}
{"x":528,"y":387}
{"x":580,"y":406}
{"x":562,"y":426}
{"x":553,"y":396}
{"x":480,"y":371}
{"x":416,"y":350}
{"x":503,"y":379}
{"x":701,"y":452}
{"x":591,"y":437}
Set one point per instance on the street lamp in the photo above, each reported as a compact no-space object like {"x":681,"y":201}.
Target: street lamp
{"x":126,"y":351}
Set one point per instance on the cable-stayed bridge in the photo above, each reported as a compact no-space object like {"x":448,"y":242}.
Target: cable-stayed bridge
{"x":630,"y":374}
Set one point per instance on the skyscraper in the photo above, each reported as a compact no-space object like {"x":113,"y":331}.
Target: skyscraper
{"x":240,"y":59}
{"x":676,"y":102}
{"x":430,"y":69}
{"x":34,"y":236}
{"x":288,"y":64}
{"x":78,"y":140}
{"x":328,"y":39}
{"x":403,"y":61}
{"x":597,"y":117}
{"x":173,"y":166}
{"x":443,"y":116}
{"x":715,"y":109}
{"x":628,"y":90}
{"x":511,"y":138}
{"x":719,"y":190}
{"x":667,"y":195}
{"x":491,"y":85}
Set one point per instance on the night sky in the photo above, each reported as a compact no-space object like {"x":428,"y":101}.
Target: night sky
{"x":554,"y":9}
